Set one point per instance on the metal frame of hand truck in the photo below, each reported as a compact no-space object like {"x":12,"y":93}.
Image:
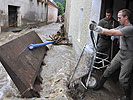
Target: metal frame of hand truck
{"x":88,"y":80}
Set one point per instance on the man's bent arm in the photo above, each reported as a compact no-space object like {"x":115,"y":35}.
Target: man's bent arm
{"x":112,"y":32}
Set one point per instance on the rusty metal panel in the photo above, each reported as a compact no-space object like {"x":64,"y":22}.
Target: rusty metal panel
{"x":22,"y":64}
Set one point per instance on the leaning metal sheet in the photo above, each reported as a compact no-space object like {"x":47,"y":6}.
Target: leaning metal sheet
{"x":22,"y":64}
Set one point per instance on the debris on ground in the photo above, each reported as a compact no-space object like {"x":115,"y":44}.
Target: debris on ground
{"x":60,"y":38}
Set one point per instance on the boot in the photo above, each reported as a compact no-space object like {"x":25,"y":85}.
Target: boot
{"x":127,"y":94}
{"x":101,"y":83}
{"x":125,"y":98}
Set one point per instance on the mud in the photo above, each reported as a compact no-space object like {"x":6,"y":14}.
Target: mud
{"x":59,"y":65}
{"x":55,"y":73}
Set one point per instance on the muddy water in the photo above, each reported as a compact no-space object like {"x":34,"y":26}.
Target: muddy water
{"x":60,"y":60}
{"x":56,"y":72}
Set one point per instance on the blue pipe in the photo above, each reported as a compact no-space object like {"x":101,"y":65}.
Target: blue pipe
{"x":32,"y":46}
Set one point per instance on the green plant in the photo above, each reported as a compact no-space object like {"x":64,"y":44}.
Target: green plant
{"x":60,"y":8}
{"x":45,"y":3}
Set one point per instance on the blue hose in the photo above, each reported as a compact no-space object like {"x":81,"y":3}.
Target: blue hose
{"x":32,"y":46}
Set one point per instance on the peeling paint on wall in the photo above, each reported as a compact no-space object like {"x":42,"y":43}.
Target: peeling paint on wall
{"x":3,"y":18}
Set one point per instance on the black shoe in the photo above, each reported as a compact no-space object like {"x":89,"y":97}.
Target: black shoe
{"x":127,"y":94}
{"x":101,"y":83}
{"x":97,"y":88}
{"x":125,"y":98}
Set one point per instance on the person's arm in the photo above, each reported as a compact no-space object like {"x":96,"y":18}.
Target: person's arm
{"x":111,"y":32}
{"x":100,"y":30}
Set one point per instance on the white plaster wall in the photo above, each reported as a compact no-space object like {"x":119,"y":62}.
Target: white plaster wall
{"x":74,"y":22}
{"x":28,"y":10}
{"x":67,"y":18}
{"x":95,"y":16}
{"x":91,"y":11}
{"x":41,"y":11}
{"x":52,"y":14}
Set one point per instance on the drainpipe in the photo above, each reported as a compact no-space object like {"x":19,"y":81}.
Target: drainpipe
{"x":47,"y":13}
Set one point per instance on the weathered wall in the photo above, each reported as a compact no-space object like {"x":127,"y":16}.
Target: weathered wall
{"x":52,"y":13}
{"x":80,"y":14}
{"x":67,"y":18}
{"x":41,"y":11}
{"x":28,"y":10}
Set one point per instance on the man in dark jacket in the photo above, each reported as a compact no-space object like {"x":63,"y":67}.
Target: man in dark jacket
{"x":104,"y":41}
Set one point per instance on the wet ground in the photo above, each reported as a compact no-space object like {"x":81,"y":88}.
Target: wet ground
{"x":59,"y":62}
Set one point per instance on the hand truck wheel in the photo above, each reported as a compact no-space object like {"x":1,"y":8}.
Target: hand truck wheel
{"x":93,"y":81}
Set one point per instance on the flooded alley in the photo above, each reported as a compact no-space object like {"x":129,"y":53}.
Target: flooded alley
{"x":55,"y":72}
{"x":59,"y":64}
{"x":66,"y":49}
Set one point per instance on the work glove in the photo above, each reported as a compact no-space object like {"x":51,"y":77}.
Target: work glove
{"x":93,"y":27}
{"x":114,"y":37}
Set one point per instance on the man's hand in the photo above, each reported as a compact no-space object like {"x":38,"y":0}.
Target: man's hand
{"x":93,"y":26}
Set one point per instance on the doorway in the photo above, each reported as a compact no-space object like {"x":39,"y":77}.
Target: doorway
{"x":12,"y":15}
{"x":116,"y":5}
